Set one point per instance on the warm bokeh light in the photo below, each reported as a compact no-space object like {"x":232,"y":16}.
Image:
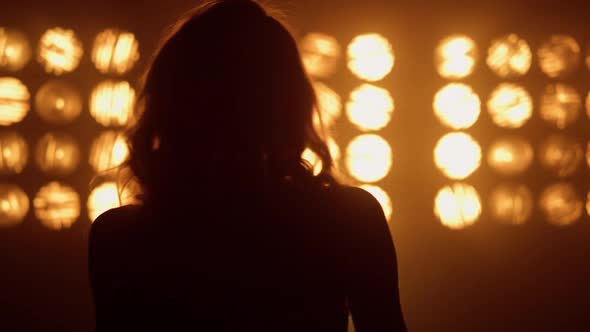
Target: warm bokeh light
{"x":108,"y":151}
{"x":509,"y":56}
{"x":57,"y":206}
{"x":382,"y":197}
{"x":14,"y":101}
{"x":106,"y":196}
{"x":457,"y":206}
{"x":320,"y":54}
{"x":14,"y":152}
{"x":111,"y":103}
{"x":457,"y":155}
{"x":561,"y":155}
{"x":58,"y":102}
{"x":15,"y":50}
{"x":510,"y":106}
{"x":588,"y":204}
{"x":115,"y":51}
{"x":510,"y":155}
{"x":560,"y":105}
{"x":457,"y":106}
{"x":560,"y":204}
{"x":57,"y":154}
{"x":329,"y":105}
{"x":314,"y":160}
{"x":370,"y":57}
{"x":368,"y":158}
{"x":511,"y":204}
{"x":334,"y":149}
{"x":14,"y":205}
{"x":559,"y":56}
{"x":60,"y":51}
{"x":456,"y":56}
{"x":370,"y":107}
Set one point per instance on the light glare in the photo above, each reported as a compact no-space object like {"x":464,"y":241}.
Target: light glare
{"x":457,"y":106}
{"x":14,"y":101}
{"x":57,"y":206}
{"x":60,"y":51}
{"x":456,"y":57}
{"x":509,"y":56}
{"x":370,"y":107}
{"x":368,"y":158}
{"x":457,"y":155}
{"x":370,"y":57}
{"x":457,"y":206}
{"x":510,"y":106}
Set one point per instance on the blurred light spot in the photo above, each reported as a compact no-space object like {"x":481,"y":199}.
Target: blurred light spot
{"x":561,"y":155}
{"x":111,"y":103}
{"x":314,"y":161}
{"x":329,"y":106}
{"x":510,"y":155}
{"x":559,"y":56}
{"x":457,"y":155}
{"x":58,"y":102}
{"x":370,"y":57}
{"x":14,"y":101}
{"x":60,"y":51}
{"x":14,"y":153}
{"x":14,"y":205}
{"x":510,"y":106}
{"x":457,"y":106}
{"x":511,"y":204}
{"x":370,"y":107}
{"x":382,"y":197}
{"x":334,"y":149}
{"x":15,"y":50}
{"x":320,"y":54}
{"x":456,"y":56}
{"x":115,"y":51}
{"x":457,"y":206}
{"x":57,"y":206}
{"x":108,"y":151}
{"x":588,"y":204}
{"x":368,"y":158}
{"x":509,"y":56}
{"x":106,"y":196}
{"x":57,"y":154}
{"x":560,"y":105}
{"x":560,"y":204}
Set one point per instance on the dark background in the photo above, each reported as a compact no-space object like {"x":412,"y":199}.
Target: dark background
{"x":489,"y":277}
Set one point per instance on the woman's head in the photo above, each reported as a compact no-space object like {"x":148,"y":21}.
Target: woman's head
{"x":225,"y":92}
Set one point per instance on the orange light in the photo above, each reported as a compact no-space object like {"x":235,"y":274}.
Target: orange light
{"x":14,"y":101}
{"x":559,"y":56}
{"x":510,"y":106}
{"x":561,"y":155}
{"x":510,"y":155}
{"x":368,"y":158}
{"x":14,"y":152}
{"x":370,"y":57}
{"x":108,"y":151}
{"x":57,"y":206}
{"x":115,"y":51}
{"x":57,"y":154}
{"x":561,"y":204}
{"x":106,"y":196}
{"x":511,"y":204}
{"x":370,"y":107}
{"x":320,"y":54}
{"x":60,"y":51}
{"x":456,"y":57}
{"x":457,"y":155}
{"x":560,"y":105}
{"x":14,"y":205}
{"x":457,"y":106}
{"x":329,"y":106}
{"x":314,"y":161}
{"x":15,"y":51}
{"x":111,"y":103}
{"x":58,"y":102}
{"x":509,"y":56}
{"x":457,"y":206}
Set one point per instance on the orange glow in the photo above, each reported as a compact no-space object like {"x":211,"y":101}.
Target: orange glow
{"x":370,"y":107}
{"x":457,"y":206}
{"x":57,"y":206}
{"x":559,"y":56}
{"x":510,"y":155}
{"x":457,"y":106}
{"x":57,"y":154}
{"x":115,"y":52}
{"x":560,"y":105}
{"x":382,"y":197}
{"x":561,"y":155}
{"x":588,"y":204}
{"x":511,"y":204}
{"x":457,"y":155}
{"x":561,"y":204}
{"x":588,"y":154}
{"x":329,"y":105}
{"x":111,"y":103}
{"x":15,"y":51}
{"x":456,"y":56}
{"x":107,"y":196}
{"x":510,"y":106}
{"x":108,"y":151}
{"x":368,"y":158}
{"x":314,"y":160}
{"x":509,"y":56}
{"x":14,"y":153}
{"x":370,"y":57}
{"x":58,"y":102}
{"x":14,"y":101}
{"x":334,"y":149}
{"x":320,"y":54}
{"x":14,"y":205}
{"x":60,"y":51}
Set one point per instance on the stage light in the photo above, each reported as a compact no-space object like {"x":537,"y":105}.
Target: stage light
{"x":457,"y":155}
{"x":509,"y":56}
{"x":559,"y":56}
{"x":370,"y":107}
{"x":14,"y":205}
{"x":334,"y":149}
{"x":382,"y":197}
{"x":511,"y":204}
{"x":320,"y":54}
{"x":560,"y":105}
{"x":561,"y":155}
{"x":510,"y":106}
{"x":329,"y":106}
{"x":368,"y":158}
{"x":111,"y":103}
{"x":456,"y":56}
{"x":370,"y":57}
{"x":314,"y":161}
{"x":58,"y":102}
{"x":57,"y":206}
{"x":560,"y":204}
{"x":60,"y":51}
{"x":108,"y":151}
{"x":15,"y":50}
{"x":457,"y":206}
{"x":115,"y":51}
{"x":14,"y":153}
{"x":57,"y":154}
{"x":14,"y":101}
{"x":457,"y":106}
{"x":510,"y":155}
{"x":106,"y":196}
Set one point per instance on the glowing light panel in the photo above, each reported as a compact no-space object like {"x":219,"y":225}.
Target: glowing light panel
{"x":559,"y":56}
{"x":368,"y":158}
{"x":457,"y":106}
{"x":509,"y":56}
{"x":560,"y":204}
{"x":15,"y":50}
{"x":58,"y":102}
{"x":106,"y":196}
{"x":115,"y":51}
{"x":370,"y":57}
{"x":382,"y":197}
{"x":370,"y":107}
{"x":560,"y":105}
{"x":108,"y":151}
{"x":511,"y":204}
{"x":320,"y":54}
{"x":14,"y":152}
{"x":510,"y":155}
{"x":57,"y":154}
{"x":456,"y":57}
{"x":510,"y":106}
{"x":14,"y":205}
{"x":14,"y":101}
{"x":111,"y":103}
{"x":60,"y":51}
{"x":561,"y":155}
{"x":457,"y":155}
{"x":57,"y":206}
{"x":457,"y":206}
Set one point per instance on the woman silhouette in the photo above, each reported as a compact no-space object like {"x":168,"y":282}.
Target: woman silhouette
{"x":234,"y":232}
